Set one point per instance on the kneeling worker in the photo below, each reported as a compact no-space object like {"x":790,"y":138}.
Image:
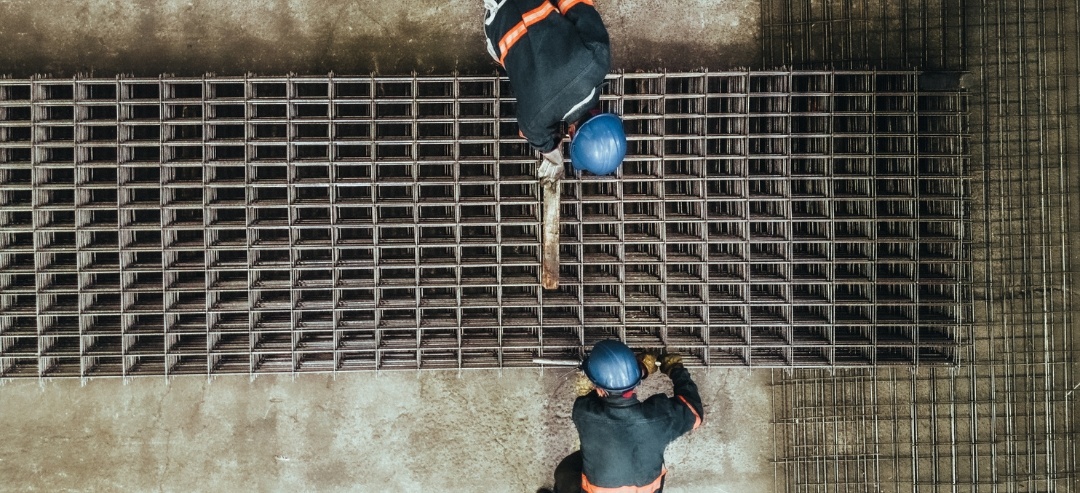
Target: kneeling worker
{"x":623,"y":439}
{"x":556,"y":55}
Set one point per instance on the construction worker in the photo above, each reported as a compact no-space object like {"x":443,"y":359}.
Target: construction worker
{"x":623,"y":439}
{"x":556,"y":54}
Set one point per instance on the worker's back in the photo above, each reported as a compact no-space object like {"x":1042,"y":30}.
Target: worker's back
{"x":623,"y":439}
{"x":555,"y":56}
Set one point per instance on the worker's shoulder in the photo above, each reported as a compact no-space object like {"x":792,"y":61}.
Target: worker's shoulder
{"x":591,"y":407}
{"x":587,"y":400}
{"x":658,"y":401}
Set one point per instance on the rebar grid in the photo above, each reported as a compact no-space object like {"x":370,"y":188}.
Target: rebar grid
{"x":216,"y":225}
{"x":1006,"y":418}
{"x":858,"y":34}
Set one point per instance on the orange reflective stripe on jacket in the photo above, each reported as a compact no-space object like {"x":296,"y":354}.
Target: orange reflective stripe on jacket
{"x":697,"y":417}
{"x":565,"y":5}
{"x":588,"y":487}
{"x":518,"y":31}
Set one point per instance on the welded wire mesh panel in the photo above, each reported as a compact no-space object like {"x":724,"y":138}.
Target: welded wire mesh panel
{"x":1005,"y":419}
{"x":857,"y":34}
{"x":253,"y":225}
{"x":930,"y":429}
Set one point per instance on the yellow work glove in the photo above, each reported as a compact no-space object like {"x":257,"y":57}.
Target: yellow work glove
{"x":647,"y":362}
{"x":669,"y":361}
{"x":582,"y":385}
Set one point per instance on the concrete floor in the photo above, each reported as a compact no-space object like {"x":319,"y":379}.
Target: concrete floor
{"x":393,"y":432}
{"x":229,"y":37}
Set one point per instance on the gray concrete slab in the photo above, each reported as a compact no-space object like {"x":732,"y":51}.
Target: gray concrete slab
{"x":392,"y":432}
{"x":229,"y":37}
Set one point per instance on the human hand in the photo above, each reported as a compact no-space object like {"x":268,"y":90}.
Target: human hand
{"x":647,"y":362}
{"x":551,"y":167}
{"x":582,"y":385}
{"x":669,"y":361}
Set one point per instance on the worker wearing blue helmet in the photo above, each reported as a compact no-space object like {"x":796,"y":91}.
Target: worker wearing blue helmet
{"x":556,"y":54}
{"x":622,"y":438}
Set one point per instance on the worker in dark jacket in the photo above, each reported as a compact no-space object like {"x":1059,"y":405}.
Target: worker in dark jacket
{"x":556,"y":54}
{"x":623,"y":439}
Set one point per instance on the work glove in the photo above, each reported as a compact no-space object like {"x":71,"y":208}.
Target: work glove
{"x":551,"y":167}
{"x":669,"y":361}
{"x":582,"y":385}
{"x":647,"y":362}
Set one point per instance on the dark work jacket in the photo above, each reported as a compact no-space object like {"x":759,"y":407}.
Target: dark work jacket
{"x":623,"y":439}
{"x":556,"y":55}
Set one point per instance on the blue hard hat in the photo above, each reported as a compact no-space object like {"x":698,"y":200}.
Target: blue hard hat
{"x":612,"y":366}
{"x":599,"y":145}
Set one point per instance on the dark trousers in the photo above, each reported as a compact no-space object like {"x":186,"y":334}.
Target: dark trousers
{"x":568,"y":474}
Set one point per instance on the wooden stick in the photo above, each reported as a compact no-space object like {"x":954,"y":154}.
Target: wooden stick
{"x":549,"y":276}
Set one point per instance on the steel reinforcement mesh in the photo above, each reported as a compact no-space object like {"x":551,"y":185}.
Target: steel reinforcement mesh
{"x":859,"y":34}
{"x":215,"y":225}
{"x":1006,"y":418}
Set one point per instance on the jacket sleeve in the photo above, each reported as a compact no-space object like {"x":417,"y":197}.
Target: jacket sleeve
{"x":586,"y":19}
{"x":544,"y":139}
{"x":687,"y":401}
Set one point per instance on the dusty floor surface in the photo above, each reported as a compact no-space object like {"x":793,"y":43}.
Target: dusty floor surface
{"x":392,"y":432}
{"x":229,"y":37}
{"x":398,"y":432}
